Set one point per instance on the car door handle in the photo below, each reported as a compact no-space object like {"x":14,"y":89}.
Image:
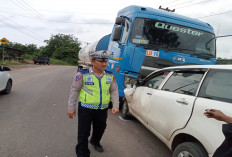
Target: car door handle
{"x":182,"y":101}
{"x":149,"y":93}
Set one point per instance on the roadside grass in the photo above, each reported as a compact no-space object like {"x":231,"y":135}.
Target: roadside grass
{"x":58,"y":62}
{"x":52,"y":61}
{"x":10,"y":63}
{"x":224,"y":62}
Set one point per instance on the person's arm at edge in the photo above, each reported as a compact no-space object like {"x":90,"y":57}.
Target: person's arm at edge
{"x":218,"y":115}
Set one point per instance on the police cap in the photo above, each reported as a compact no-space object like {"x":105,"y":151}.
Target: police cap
{"x":100,"y":56}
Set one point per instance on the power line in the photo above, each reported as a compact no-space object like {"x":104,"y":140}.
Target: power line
{"x":23,"y":27}
{"x":103,"y":23}
{"x":193,"y":4}
{"x":29,"y":33}
{"x":32,"y":12}
{"x":66,"y":12}
{"x":182,"y":3}
{"x":170,"y":2}
{"x":215,"y":14}
{"x":41,"y":16}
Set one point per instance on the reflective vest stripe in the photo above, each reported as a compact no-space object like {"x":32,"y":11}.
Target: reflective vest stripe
{"x":87,"y":90}
{"x":91,"y":106}
{"x":100,"y":93}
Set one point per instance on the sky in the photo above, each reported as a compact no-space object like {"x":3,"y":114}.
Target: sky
{"x":33,"y":21}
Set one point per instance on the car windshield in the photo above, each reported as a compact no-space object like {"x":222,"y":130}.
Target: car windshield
{"x":162,"y":35}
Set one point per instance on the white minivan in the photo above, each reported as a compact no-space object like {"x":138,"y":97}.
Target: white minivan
{"x":171,"y":103}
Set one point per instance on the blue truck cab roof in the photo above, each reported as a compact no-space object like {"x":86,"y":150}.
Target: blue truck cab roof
{"x":134,"y":11}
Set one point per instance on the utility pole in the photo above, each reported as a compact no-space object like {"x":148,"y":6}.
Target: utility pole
{"x":3,"y":53}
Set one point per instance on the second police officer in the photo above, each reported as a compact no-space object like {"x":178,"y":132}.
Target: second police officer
{"x":93,"y":88}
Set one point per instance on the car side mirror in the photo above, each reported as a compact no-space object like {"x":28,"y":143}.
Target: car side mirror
{"x":140,"y":82}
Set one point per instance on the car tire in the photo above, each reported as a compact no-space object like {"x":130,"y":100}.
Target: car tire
{"x":190,"y":149}
{"x":125,"y":111}
{"x":7,"y":90}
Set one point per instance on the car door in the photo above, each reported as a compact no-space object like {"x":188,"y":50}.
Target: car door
{"x":140,"y":104}
{"x":171,"y":107}
{"x":215,"y":93}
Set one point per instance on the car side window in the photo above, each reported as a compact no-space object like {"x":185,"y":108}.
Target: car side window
{"x":217,"y":86}
{"x":184,"y":82}
{"x":156,"y":80}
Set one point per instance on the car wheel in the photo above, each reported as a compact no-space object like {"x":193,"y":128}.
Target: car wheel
{"x":7,"y":90}
{"x":125,"y":111}
{"x":190,"y":149}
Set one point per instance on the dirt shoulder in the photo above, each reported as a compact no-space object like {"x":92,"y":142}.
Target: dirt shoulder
{"x":23,"y":66}
{"x":27,"y":65}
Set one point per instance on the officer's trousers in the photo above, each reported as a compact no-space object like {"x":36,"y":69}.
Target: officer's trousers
{"x":86,"y":117}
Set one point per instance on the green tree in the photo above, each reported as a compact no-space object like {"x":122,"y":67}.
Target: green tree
{"x":63,"y":47}
{"x":31,"y":49}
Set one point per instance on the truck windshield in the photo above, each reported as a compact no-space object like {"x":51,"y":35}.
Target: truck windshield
{"x":162,"y":35}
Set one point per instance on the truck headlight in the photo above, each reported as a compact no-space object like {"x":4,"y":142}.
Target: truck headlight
{"x":129,"y":81}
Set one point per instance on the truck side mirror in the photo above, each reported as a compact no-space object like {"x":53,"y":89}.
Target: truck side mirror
{"x":117,"y":33}
{"x":120,"y":21}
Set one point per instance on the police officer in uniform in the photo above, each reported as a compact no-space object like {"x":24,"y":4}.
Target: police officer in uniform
{"x":93,"y":88}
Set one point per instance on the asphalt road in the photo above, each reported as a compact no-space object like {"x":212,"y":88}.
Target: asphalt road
{"x":33,"y":120}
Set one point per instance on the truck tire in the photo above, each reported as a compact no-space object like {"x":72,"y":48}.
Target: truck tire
{"x":125,"y":111}
{"x":190,"y":149}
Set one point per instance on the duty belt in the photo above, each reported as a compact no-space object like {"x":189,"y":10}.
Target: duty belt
{"x":91,"y":106}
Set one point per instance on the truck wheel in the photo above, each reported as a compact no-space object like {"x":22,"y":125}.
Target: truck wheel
{"x":125,"y":111}
{"x":7,"y":90}
{"x":190,"y":149}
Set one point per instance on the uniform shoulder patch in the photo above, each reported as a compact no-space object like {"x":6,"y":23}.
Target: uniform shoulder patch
{"x":78,"y":76}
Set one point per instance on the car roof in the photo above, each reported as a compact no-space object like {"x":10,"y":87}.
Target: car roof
{"x":221,"y":66}
{"x":194,"y":67}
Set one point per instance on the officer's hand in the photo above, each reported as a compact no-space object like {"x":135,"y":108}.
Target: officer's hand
{"x":71,"y":113}
{"x":115,"y":110}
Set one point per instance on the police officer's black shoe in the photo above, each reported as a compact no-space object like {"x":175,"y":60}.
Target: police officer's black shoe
{"x":98,"y":147}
